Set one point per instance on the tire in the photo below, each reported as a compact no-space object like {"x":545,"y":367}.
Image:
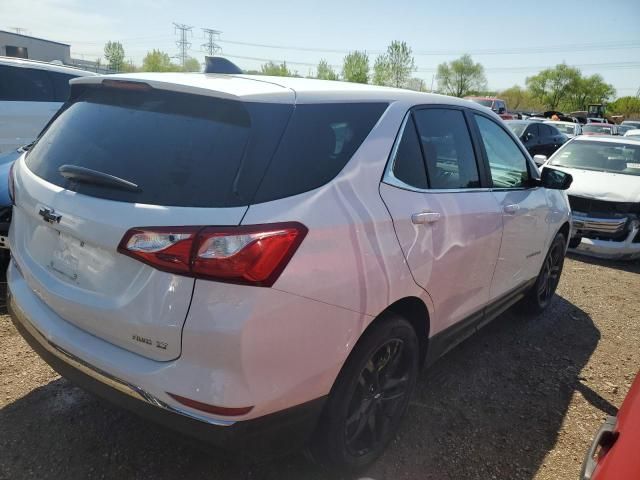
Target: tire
{"x":574,"y":242}
{"x":541,"y":293}
{"x":370,"y":396}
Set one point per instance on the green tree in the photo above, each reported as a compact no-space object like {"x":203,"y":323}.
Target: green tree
{"x":158,"y":61}
{"x":553,"y":86}
{"x":461,"y":77}
{"x":394,"y":67}
{"x":192,"y":65}
{"x":129,"y":67}
{"x":273,"y":69}
{"x":588,"y":90}
{"x":416,"y":84}
{"x":381,"y":71}
{"x":355,"y":67}
{"x":627,"y":106}
{"x":325,"y":72}
{"x":519,"y":98}
{"x":114,"y":53}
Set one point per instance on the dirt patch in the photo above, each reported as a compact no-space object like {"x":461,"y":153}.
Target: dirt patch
{"x":519,"y":400}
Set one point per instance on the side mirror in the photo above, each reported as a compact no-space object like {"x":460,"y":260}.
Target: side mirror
{"x":540,"y":159}
{"x":555,"y":179}
{"x":501,"y":110}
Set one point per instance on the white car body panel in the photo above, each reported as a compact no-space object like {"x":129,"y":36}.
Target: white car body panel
{"x":237,"y":345}
{"x":22,"y":120}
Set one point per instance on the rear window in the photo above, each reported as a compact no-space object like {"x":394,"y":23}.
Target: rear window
{"x":25,"y":84}
{"x":197,"y":151}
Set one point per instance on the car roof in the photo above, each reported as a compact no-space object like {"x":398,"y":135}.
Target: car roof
{"x":51,"y":67}
{"x":606,"y":138}
{"x":600,"y":124}
{"x":633,"y":131}
{"x":279,"y":89}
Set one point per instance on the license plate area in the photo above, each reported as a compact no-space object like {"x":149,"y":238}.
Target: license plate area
{"x":65,"y":257}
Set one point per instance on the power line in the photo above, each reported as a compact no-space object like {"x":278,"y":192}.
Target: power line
{"x":506,"y":51}
{"x":182,"y":42}
{"x":211,"y":47}
{"x":604,"y":66}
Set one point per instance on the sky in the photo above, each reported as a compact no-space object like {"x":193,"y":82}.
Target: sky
{"x":512,"y":39}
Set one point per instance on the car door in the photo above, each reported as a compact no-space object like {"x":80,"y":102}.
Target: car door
{"x":448,"y":223}
{"x":27,"y":103}
{"x":531,"y":139}
{"x":524,"y":208}
{"x":551,"y":139}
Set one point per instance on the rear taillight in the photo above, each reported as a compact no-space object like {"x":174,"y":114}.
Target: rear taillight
{"x":12,"y":184}
{"x":254,"y":255}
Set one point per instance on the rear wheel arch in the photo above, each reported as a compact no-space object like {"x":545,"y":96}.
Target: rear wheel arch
{"x":414,"y":311}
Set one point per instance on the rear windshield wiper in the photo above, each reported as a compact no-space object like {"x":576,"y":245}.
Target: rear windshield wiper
{"x":86,"y":175}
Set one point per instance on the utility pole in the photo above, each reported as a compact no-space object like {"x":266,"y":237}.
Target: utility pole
{"x":19,"y":30}
{"x":211,"y":47}
{"x":182,"y":42}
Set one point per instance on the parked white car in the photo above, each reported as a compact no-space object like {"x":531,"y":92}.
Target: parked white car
{"x":604,"y":195}
{"x":31,"y":92}
{"x":267,"y":261}
{"x":570,"y":129}
{"x":635,"y":133}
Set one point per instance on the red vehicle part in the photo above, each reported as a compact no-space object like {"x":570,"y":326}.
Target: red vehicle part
{"x":614,"y":452}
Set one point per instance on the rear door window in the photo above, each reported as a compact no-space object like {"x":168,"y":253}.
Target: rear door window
{"x":25,"y":84}
{"x":408,"y":164}
{"x":447,"y":149}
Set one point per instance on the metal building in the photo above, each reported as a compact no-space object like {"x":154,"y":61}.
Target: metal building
{"x":25,"y":46}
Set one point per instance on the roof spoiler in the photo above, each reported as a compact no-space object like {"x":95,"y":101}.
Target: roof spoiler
{"x":220,"y":65}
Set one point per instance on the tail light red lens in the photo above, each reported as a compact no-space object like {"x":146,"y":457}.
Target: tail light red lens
{"x":254,"y":255}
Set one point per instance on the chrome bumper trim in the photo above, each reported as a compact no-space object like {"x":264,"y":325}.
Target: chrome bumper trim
{"x":102,"y":376}
{"x":609,"y":226}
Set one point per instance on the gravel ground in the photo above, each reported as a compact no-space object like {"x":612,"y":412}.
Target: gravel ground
{"x":519,"y":400}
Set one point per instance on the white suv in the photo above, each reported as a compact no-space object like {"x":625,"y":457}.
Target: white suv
{"x":31,"y":93}
{"x":264,"y":261}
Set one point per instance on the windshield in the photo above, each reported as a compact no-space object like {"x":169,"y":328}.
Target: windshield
{"x":600,"y":156}
{"x":590,"y":128}
{"x":565,"y":128}
{"x":517,"y":128}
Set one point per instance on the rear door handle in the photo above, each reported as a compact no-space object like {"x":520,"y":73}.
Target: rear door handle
{"x":425,"y":217}
{"x":513,"y":208}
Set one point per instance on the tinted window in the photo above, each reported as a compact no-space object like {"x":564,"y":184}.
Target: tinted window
{"x":19,"y":52}
{"x":61,"y":85}
{"x":532,"y":132}
{"x":507,"y":163}
{"x":546,"y":131}
{"x":25,"y":84}
{"x":318,"y":143}
{"x":447,"y":148}
{"x":183,"y":150}
{"x":408,"y":164}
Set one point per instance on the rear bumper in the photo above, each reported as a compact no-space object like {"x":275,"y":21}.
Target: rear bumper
{"x":265,"y":436}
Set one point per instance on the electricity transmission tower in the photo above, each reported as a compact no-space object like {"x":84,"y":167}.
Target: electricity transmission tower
{"x":182,"y":42}
{"x":211,"y":47}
